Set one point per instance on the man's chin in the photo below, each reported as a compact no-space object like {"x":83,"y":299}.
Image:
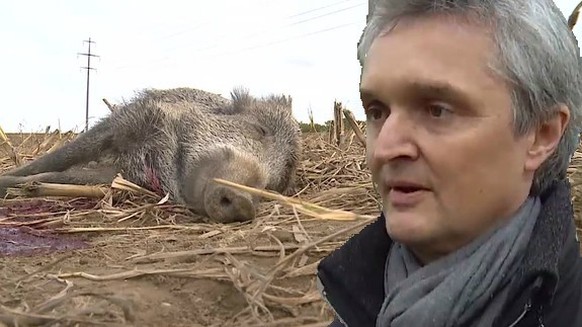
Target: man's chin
{"x":407,"y":227}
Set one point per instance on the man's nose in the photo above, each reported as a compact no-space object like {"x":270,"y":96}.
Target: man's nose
{"x":396,"y":139}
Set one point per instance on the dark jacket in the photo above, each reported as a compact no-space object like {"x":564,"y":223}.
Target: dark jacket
{"x":546,"y":291}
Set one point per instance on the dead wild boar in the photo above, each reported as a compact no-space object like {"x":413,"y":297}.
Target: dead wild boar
{"x":176,"y":141}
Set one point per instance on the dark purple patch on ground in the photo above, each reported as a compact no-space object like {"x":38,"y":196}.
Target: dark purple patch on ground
{"x":18,"y":241}
{"x":21,"y":209}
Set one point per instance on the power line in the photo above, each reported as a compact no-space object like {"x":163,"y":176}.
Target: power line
{"x":248,"y":36}
{"x":257,"y":46}
{"x":263,"y":45}
{"x":88,"y":68}
{"x":323,"y":15}
{"x":316,"y":9}
{"x":168,"y":36}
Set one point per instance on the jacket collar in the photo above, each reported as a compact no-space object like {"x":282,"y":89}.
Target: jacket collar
{"x":351,"y":278}
{"x":552,"y":255}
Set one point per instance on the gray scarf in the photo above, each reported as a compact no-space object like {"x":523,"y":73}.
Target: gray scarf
{"x":467,"y":286}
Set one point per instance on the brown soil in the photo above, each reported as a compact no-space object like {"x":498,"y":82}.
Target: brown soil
{"x":165,"y":267}
{"x":85,"y":262}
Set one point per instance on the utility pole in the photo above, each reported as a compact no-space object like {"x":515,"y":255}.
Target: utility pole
{"x":88,"y":68}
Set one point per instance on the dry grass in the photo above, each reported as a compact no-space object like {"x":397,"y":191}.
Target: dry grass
{"x":138,"y":236}
{"x":335,"y":200}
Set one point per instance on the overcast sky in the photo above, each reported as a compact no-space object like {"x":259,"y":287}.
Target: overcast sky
{"x":304,"y":48}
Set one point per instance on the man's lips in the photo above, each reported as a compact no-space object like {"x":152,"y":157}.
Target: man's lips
{"x":405,"y":186}
{"x":402,"y":194}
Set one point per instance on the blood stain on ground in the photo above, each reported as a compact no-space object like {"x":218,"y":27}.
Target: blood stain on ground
{"x":27,"y":241}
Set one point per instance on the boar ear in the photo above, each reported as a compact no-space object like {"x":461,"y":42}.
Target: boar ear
{"x":282,"y":99}
{"x":288,"y":102}
{"x":240,"y":97}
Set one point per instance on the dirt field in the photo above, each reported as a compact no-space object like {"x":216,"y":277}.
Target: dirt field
{"x":125,"y":261}
{"x":121,"y":261}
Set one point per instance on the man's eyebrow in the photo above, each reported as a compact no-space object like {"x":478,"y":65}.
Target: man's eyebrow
{"x":436,"y":88}
{"x":426,"y":88}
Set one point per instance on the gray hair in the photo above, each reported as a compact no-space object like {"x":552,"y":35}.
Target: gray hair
{"x":537,"y":54}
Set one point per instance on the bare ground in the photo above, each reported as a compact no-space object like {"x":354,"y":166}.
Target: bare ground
{"x":127,"y":261}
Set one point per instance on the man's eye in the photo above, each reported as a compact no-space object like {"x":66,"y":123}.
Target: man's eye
{"x":374,"y":113}
{"x":438,"y":110}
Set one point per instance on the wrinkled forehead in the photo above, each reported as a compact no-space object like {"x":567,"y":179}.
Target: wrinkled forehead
{"x":433,"y":55}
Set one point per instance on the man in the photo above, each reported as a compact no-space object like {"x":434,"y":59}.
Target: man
{"x":473,"y":113}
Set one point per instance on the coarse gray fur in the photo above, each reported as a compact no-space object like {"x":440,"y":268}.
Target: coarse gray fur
{"x":186,"y":136}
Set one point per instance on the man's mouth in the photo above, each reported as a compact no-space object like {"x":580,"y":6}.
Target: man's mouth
{"x":405,"y":194}
{"x":405,"y":186}
{"x":407,"y":189}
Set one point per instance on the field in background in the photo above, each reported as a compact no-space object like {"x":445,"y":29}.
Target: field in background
{"x":129,"y":258}
{"x":125,"y":260}
{"x":121,"y":256}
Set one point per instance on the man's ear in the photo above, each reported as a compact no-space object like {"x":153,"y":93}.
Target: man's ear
{"x":546,"y":137}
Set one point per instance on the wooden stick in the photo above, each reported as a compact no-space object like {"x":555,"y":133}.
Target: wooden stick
{"x":354,"y":125}
{"x":37,"y":189}
{"x":109,"y":105}
{"x":573,"y":19}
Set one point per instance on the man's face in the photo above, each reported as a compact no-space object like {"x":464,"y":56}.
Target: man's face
{"x":440,"y":142}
